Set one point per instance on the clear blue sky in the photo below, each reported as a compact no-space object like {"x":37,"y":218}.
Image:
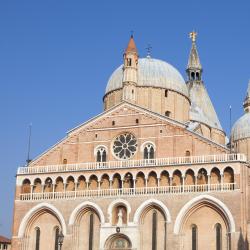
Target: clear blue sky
{"x":56,"y":58}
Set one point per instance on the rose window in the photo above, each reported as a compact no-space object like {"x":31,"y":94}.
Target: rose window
{"x":125,"y":146}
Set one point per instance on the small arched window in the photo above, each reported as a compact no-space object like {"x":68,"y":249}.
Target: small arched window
{"x":197,"y":76}
{"x":38,"y":238}
{"x":167,"y":113}
{"x":149,"y":152}
{"x":192,"y":76}
{"x":166,"y":93}
{"x":65,"y":161}
{"x":56,"y":238}
{"x":129,"y":61}
{"x":218,"y":236}
{"x":154,"y":230}
{"x":187,"y":153}
{"x":101,"y":155}
{"x":194,"y":237}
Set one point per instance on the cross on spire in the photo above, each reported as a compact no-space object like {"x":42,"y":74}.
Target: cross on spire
{"x":193,"y":36}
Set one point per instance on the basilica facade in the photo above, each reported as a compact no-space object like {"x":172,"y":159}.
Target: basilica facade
{"x":154,"y":171}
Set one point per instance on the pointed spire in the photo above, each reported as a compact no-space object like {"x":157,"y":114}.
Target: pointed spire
{"x":130,"y":67}
{"x":194,"y":60}
{"x":246,"y":103}
{"x":194,"y":68}
{"x":131,"y":48}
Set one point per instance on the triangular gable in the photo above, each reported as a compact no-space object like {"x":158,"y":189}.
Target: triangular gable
{"x":102,"y":121}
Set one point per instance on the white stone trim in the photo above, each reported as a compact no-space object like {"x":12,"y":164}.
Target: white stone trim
{"x":113,"y":203}
{"x":100,"y":146}
{"x":73,"y":215}
{"x":34,"y":210}
{"x":198,"y":199}
{"x":145,"y":143}
{"x":149,"y":202}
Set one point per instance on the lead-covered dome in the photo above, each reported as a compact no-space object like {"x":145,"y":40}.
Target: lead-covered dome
{"x":241,"y":128}
{"x":151,"y":73}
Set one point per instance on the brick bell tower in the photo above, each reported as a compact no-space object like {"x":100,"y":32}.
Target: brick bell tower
{"x":130,"y":72}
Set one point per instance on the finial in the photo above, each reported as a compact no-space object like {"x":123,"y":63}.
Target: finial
{"x":131,"y":33}
{"x":193,"y":35}
{"x":149,"y":50}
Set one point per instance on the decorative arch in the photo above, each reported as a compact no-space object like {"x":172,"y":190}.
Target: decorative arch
{"x":85,"y":204}
{"x":36,"y":209}
{"x":148,"y":203}
{"x":111,"y":239}
{"x":210,"y":199}
{"x":114,"y":203}
{"x":98,"y":147}
{"x":145,"y":143}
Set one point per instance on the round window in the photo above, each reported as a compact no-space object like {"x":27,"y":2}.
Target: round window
{"x":124,"y":146}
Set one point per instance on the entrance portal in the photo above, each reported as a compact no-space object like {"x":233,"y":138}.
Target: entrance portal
{"x":118,"y":242}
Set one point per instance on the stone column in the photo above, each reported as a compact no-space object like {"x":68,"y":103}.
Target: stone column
{"x":208,"y":182}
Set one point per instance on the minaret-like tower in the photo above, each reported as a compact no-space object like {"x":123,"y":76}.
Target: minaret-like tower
{"x":202,"y":109}
{"x":194,"y":68}
{"x":130,"y":68}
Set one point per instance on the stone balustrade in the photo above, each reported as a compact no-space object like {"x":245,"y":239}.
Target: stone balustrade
{"x":170,"y":161}
{"x":123,"y":192}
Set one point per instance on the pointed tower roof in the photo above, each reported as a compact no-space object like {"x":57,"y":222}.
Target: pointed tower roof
{"x":194,"y":60}
{"x":131,"y":46}
{"x":202,"y":109}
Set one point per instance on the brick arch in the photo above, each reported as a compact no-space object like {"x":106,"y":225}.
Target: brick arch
{"x":148,"y":203}
{"x":35,"y":210}
{"x":86,"y":204}
{"x":198,"y":200}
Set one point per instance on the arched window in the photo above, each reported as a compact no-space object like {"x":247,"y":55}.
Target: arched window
{"x":149,"y":152}
{"x":194,"y":237}
{"x":192,"y":76}
{"x":129,"y":61}
{"x":167,"y":113}
{"x":65,"y":161}
{"x":56,"y":238}
{"x":101,"y":155}
{"x":197,"y":76}
{"x":218,"y":236}
{"x":154,"y":231}
{"x":166,"y":93}
{"x":38,"y":238}
{"x":91,"y":231}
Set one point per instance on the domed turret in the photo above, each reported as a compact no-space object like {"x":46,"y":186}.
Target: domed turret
{"x":150,"y":83}
{"x":240,"y":134}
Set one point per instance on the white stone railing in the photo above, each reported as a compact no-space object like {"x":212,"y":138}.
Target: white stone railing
{"x":129,"y":191}
{"x":133,"y":163}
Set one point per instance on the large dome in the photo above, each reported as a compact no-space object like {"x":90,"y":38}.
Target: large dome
{"x":241,"y":128}
{"x":151,"y":73}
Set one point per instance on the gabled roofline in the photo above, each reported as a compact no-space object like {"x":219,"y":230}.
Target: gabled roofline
{"x":167,"y":119}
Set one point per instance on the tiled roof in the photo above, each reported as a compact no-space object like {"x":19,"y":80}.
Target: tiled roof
{"x":4,"y":240}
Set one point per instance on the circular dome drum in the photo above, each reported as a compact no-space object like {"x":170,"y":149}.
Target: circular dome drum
{"x":151,"y":73}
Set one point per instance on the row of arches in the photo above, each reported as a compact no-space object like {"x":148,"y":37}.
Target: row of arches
{"x":151,"y":218}
{"x":129,"y":180}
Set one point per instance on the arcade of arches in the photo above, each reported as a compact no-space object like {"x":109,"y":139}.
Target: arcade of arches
{"x":153,"y":229}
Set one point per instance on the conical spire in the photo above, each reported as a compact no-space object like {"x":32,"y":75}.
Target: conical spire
{"x":130,"y":67}
{"x":194,"y":68}
{"x":131,"y":48}
{"x":194,"y":60}
{"x":246,"y":103}
{"x":202,"y":109}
